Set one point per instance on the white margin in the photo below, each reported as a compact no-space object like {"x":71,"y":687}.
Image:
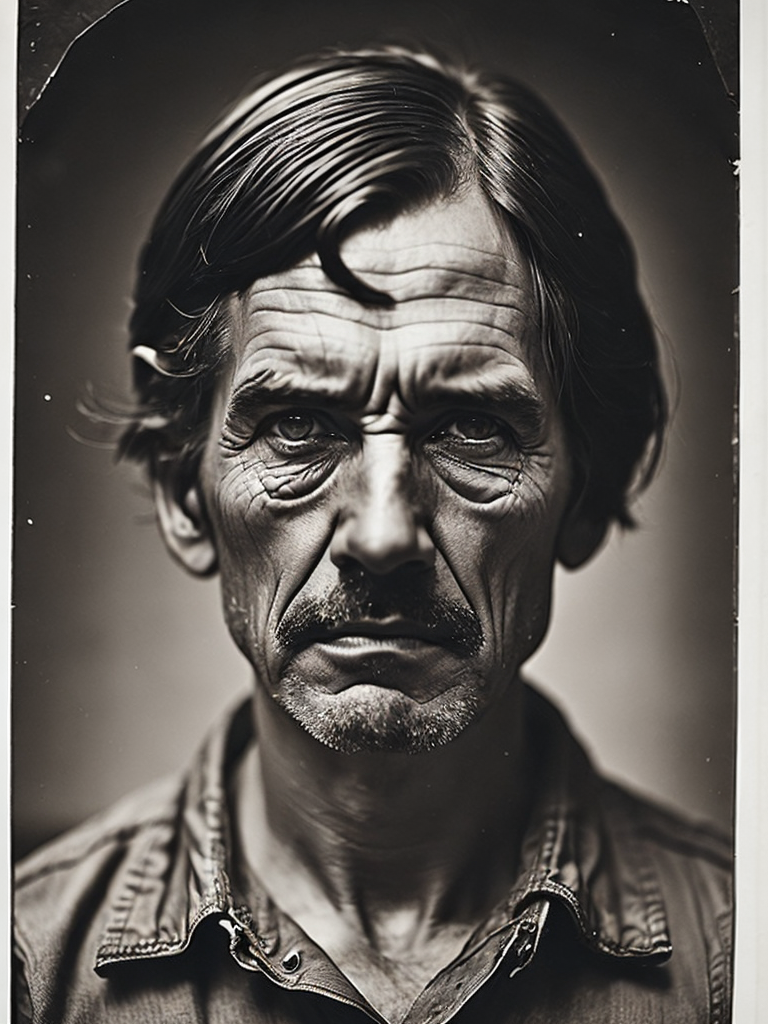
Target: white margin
{"x":751,"y":978}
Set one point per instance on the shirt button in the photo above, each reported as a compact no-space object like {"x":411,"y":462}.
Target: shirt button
{"x":291,"y":961}
{"x":268,"y":943}
{"x":521,"y":950}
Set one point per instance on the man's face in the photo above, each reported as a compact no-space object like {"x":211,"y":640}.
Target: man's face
{"x":385,"y":485}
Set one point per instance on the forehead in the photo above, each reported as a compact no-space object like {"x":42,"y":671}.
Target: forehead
{"x":462,"y":305}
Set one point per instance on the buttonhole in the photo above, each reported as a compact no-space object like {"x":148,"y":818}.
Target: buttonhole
{"x":292,"y":961}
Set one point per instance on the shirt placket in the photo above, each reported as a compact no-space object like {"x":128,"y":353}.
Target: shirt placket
{"x":510,"y":948}
{"x":284,"y":954}
{"x":271,"y":943}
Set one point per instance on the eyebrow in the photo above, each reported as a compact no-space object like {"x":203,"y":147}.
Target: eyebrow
{"x":501,"y":394}
{"x":264,"y":390}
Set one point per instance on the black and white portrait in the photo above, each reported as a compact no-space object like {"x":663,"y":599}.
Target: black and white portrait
{"x":374,"y":486}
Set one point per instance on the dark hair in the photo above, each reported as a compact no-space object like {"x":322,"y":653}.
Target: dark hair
{"x":345,"y":139}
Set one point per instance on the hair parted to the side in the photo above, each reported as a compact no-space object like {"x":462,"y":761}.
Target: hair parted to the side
{"x":346,"y":139}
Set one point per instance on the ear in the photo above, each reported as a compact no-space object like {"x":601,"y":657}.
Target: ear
{"x":182,"y":519}
{"x":580,"y":536}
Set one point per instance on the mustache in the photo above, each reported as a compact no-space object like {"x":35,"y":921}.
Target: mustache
{"x":356,"y":602}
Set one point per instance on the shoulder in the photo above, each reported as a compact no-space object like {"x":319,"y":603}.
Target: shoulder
{"x":98,"y":838}
{"x":65,"y":891}
{"x":687,"y":866}
{"x":129,"y":885}
{"x":670,"y":835}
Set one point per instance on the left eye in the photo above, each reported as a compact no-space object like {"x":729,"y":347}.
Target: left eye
{"x":473,"y":427}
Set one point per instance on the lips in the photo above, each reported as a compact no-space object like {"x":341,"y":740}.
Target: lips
{"x":358,"y":614}
{"x":390,"y":633}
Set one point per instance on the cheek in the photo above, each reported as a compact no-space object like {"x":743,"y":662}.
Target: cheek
{"x":502,"y":554}
{"x":286,"y":477}
{"x":267,"y":548}
{"x":487,"y":484}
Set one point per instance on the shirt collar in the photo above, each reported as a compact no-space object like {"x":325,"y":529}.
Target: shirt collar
{"x":580,"y":848}
{"x":583,"y":848}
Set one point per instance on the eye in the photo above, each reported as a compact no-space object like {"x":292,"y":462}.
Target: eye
{"x":298,"y":426}
{"x":477,"y":455}
{"x":473,"y":437}
{"x":473,"y":427}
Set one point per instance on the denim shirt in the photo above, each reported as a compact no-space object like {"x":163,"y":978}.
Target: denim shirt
{"x":621,"y":912}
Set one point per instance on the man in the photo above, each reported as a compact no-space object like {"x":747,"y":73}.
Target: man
{"x":391,"y":366}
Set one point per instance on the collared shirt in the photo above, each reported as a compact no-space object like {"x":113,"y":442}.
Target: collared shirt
{"x":620,"y":913}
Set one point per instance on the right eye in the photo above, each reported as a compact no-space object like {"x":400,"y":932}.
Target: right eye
{"x":293,"y":451}
{"x":298,"y":426}
{"x":302,"y":433}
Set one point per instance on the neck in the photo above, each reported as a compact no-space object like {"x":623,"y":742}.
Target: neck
{"x":433,"y":835}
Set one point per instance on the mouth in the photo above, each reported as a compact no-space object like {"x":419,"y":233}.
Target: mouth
{"x":341,"y":623}
{"x":393,"y":634}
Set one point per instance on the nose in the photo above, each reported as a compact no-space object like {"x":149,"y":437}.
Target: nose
{"x":380,"y":527}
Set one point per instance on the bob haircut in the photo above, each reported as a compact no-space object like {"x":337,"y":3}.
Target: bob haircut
{"x":346,"y":139}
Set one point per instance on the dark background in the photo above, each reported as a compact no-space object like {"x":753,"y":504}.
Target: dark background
{"x":120,"y":662}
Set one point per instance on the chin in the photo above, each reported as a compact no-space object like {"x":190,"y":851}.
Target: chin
{"x":368,"y":717}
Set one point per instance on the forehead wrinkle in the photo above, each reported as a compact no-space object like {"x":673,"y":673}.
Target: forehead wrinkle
{"x":477,"y":369}
{"x":493,"y":385}
{"x":442,"y":373}
{"x":350,"y":305}
{"x":349,"y":370}
{"x":300,"y":334}
{"x":465,"y":315}
{"x":495,"y":266}
{"x":311,"y":339}
{"x":310,"y":277}
{"x":446,"y":294}
{"x":329,"y":314}
{"x":403,"y":286}
{"x":279,"y":369}
{"x":400,"y":256}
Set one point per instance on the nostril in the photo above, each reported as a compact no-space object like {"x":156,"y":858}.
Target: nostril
{"x":347,"y":565}
{"x":381,"y":543}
